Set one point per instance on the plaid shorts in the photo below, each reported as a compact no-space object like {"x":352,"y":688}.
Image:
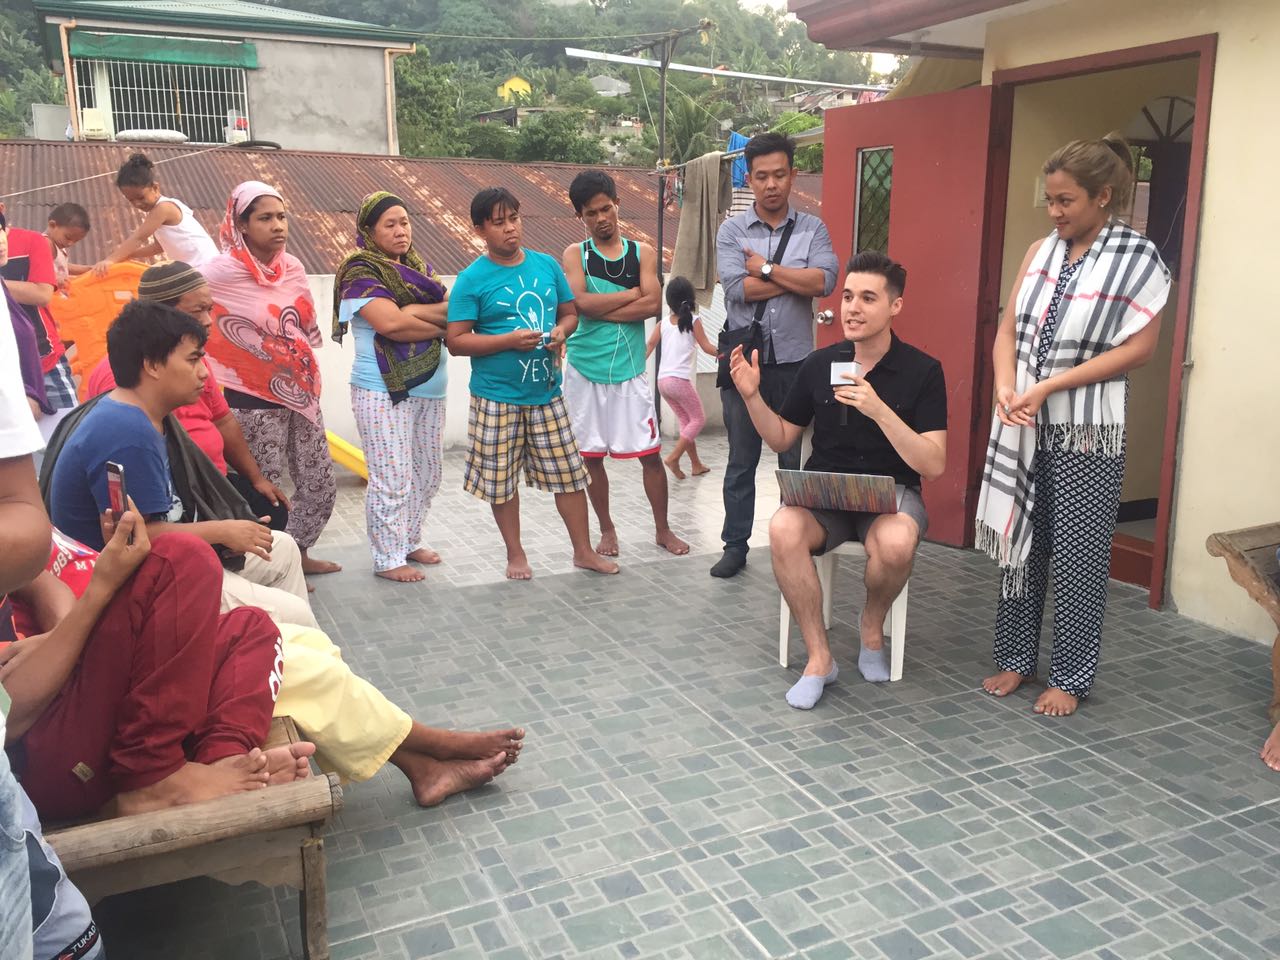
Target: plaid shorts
{"x":60,"y":386}
{"x":507,"y":436}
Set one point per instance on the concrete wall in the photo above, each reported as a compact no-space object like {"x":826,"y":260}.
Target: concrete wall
{"x":1230,"y":438}
{"x":319,"y":96}
{"x":1045,"y":116}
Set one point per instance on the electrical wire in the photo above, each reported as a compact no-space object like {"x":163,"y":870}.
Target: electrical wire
{"x":112,"y":173}
{"x":472,"y":36}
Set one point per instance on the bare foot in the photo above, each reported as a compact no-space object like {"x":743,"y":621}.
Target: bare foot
{"x":674,"y":467}
{"x":466,"y":744}
{"x":433,"y":781}
{"x":194,"y":782}
{"x":1056,"y":703}
{"x":403,"y":574}
{"x":608,"y":545}
{"x":424,"y":555}
{"x":518,"y":567}
{"x":314,"y":568}
{"x":700,"y":468}
{"x":289,"y":763}
{"x":593,"y":561}
{"x":310,"y":588}
{"x":672,"y":543}
{"x":1271,"y":750}
{"x":1003,"y":683}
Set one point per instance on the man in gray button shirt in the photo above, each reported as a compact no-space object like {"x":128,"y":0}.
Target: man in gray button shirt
{"x":746,"y":248}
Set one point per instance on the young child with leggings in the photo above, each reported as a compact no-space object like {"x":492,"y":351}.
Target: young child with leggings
{"x":676,"y":368}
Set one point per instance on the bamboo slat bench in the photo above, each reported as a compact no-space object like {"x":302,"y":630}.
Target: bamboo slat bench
{"x":271,"y":836}
{"x":1251,"y":559}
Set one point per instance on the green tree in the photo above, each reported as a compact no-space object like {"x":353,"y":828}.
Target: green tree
{"x":426,"y":107}
{"x":808,"y":158}
{"x":492,"y":141}
{"x":557,"y":136}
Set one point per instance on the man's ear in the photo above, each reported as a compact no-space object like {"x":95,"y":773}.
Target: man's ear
{"x":896,"y":307}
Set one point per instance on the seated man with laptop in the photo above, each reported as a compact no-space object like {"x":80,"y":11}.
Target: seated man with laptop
{"x":879,"y":412}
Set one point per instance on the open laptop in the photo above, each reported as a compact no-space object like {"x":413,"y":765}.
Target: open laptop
{"x":838,"y":491}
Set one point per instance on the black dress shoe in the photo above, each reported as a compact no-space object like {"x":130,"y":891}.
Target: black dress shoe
{"x":730,"y":564}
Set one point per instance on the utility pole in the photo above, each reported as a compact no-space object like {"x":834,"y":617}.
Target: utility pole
{"x":667,"y":44}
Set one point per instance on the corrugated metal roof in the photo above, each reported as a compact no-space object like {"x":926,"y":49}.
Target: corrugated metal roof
{"x":323,"y":191}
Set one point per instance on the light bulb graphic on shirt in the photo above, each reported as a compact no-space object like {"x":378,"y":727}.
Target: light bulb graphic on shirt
{"x":530,"y":306}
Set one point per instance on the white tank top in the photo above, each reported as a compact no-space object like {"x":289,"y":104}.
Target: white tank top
{"x":677,"y":352}
{"x":186,"y":240}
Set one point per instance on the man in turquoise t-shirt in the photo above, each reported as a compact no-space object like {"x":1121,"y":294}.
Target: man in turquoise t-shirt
{"x":510,"y":312}
{"x":615,"y":282}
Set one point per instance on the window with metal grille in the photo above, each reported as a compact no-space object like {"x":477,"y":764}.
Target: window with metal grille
{"x":200,"y":101}
{"x":875,"y":182}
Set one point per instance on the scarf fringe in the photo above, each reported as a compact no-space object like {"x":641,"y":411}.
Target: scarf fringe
{"x":1099,"y":439}
{"x":1013,"y":580}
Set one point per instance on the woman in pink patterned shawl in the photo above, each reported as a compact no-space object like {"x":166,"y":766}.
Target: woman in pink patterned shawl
{"x":262,"y":350}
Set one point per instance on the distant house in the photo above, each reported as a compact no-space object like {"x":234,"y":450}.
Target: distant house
{"x":610,"y":86}
{"x":513,"y":85}
{"x":515,"y":116}
{"x":223,"y":71}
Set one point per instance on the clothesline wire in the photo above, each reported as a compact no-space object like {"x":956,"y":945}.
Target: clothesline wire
{"x":472,"y":36}
{"x":111,"y":173}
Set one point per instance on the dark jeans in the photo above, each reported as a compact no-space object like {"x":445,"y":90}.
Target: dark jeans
{"x":744,"y":452}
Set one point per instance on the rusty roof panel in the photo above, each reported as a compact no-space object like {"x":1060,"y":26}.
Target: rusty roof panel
{"x":323,"y":191}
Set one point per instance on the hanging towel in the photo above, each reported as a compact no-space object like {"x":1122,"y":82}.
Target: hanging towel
{"x":736,"y":142}
{"x":708,"y":192}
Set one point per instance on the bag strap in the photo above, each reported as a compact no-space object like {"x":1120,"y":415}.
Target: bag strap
{"x":777,"y":258}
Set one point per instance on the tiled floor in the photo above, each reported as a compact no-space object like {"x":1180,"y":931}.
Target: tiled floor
{"x":670,"y":805}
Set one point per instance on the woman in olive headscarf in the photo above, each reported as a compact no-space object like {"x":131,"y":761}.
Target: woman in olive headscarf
{"x":390,"y":299}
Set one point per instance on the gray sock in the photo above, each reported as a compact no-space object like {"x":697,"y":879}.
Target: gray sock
{"x":808,"y":690}
{"x":874,"y":665}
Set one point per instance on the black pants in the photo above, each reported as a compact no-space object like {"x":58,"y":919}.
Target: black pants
{"x":260,"y":505}
{"x":744,"y":452}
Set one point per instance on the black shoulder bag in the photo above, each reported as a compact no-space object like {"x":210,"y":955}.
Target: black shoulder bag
{"x":750,"y":337}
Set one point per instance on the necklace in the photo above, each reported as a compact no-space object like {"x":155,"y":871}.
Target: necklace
{"x":622,"y":261}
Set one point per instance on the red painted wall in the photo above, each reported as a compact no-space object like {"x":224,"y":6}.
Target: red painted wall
{"x":937,"y":217}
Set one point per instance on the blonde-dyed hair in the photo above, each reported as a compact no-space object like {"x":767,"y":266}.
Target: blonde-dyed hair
{"x":1095,"y":164}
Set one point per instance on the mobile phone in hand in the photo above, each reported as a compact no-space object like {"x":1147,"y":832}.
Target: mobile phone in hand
{"x":117,"y":494}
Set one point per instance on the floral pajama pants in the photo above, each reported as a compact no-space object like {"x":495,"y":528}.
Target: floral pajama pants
{"x":403,"y":449}
{"x":282,"y":437}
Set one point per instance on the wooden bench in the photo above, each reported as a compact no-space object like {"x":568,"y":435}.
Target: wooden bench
{"x":271,"y":836}
{"x":1251,"y":559}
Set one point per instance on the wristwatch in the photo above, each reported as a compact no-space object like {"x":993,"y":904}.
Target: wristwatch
{"x":766,"y":272}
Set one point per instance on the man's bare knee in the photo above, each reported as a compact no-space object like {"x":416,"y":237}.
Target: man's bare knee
{"x":793,"y":529}
{"x":892,"y":542}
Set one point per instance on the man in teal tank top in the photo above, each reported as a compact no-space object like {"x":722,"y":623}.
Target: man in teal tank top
{"x":606,"y":387}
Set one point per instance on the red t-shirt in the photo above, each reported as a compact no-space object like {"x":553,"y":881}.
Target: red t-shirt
{"x":31,"y":260}
{"x":198,"y":419}
{"x":72,"y":563}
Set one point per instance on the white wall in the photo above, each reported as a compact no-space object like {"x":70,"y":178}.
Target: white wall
{"x":335,"y":371}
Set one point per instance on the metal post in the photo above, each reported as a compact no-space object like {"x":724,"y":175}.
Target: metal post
{"x":668,"y":48}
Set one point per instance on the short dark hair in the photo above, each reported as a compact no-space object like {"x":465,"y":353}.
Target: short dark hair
{"x":70,"y":215}
{"x":763,"y":144}
{"x":873,"y":261}
{"x":147,"y":331}
{"x":137,"y":171}
{"x":589,"y":184}
{"x":484,"y":203}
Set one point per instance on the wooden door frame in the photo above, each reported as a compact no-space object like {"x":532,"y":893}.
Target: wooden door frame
{"x":1203,"y":47}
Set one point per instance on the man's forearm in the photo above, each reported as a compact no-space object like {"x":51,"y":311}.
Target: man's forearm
{"x":36,"y":680}
{"x":210,"y":531}
{"x":754,"y":290}
{"x":472,"y":344}
{"x":803,"y":281}
{"x":920,"y":453}
{"x":601,"y":304}
{"x":641,"y":309}
{"x":768,"y":424}
{"x":30,"y":294}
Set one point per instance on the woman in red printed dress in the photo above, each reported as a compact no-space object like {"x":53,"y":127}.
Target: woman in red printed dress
{"x":262,"y":350}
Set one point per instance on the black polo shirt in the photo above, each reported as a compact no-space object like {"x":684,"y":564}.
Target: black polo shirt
{"x":908,"y":380}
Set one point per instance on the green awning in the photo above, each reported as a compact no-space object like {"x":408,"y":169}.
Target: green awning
{"x":155,"y":49}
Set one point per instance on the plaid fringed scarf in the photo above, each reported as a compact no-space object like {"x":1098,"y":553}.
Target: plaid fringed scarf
{"x":1119,"y":288}
{"x":368,"y":272}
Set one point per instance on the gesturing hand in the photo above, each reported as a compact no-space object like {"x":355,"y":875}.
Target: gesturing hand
{"x":746,"y":374}
{"x":555,"y":343}
{"x":861,"y":396}
{"x":273,"y":493}
{"x":525,"y":340}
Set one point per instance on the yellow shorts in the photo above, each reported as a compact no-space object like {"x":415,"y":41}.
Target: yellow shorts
{"x":508,"y":436}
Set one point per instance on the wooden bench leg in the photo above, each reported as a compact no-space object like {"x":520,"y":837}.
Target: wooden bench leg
{"x":1274,"y":711}
{"x":313,"y":906}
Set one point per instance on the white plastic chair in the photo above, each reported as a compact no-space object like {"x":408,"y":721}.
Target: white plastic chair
{"x":895,"y":624}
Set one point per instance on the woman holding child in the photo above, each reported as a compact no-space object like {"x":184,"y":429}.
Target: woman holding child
{"x":1083,"y":314}
{"x":388,"y":296}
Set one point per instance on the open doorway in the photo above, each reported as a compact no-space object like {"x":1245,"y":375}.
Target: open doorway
{"x":1153,"y":105}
